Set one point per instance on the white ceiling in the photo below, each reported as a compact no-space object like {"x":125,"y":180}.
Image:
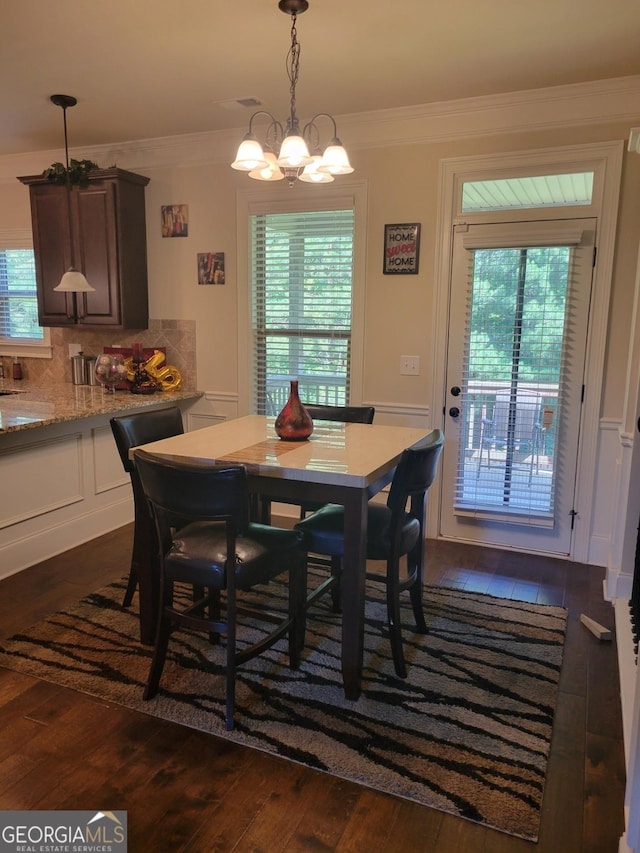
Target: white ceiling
{"x":150,"y":68}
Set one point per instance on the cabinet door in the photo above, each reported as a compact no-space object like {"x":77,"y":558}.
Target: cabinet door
{"x":96,"y":252}
{"x":52,"y":249}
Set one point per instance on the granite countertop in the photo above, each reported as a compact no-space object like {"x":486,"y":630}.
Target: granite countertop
{"x":35,"y":405}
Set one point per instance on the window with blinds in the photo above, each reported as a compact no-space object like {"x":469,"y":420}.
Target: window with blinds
{"x":514,"y":377}
{"x":302,"y":282}
{"x":18,"y":301}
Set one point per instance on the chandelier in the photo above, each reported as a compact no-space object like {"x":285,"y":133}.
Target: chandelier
{"x":287,"y":152}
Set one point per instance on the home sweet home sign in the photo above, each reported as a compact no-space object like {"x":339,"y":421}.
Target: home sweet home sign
{"x":401,"y":249}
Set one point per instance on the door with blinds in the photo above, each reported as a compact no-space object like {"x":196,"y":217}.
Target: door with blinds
{"x":520,"y":296}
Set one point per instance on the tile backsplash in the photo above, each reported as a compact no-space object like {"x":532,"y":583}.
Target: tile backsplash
{"x":178,"y":336}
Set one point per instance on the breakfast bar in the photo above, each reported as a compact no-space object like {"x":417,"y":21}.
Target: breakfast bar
{"x":62,"y":479}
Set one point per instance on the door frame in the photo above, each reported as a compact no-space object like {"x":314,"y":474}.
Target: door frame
{"x":605,"y":160}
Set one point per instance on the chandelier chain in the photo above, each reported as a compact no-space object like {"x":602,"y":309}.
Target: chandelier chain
{"x":293,"y":68}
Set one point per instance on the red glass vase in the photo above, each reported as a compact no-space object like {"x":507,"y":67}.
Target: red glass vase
{"x":294,"y":421}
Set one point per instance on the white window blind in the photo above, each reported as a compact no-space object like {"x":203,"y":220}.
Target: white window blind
{"x":518,"y":346}
{"x":18,"y":301}
{"x":302,"y":282}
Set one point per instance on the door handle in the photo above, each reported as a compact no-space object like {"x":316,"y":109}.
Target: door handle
{"x":454,"y":411}
{"x":455,"y":391}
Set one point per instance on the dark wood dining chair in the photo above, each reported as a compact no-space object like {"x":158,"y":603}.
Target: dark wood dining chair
{"x":207,"y":541}
{"x":131,"y":431}
{"x":393,"y":531}
{"x":337,"y":414}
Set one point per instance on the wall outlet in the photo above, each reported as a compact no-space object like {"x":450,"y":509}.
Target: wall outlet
{"x":409,"y":365}
{"x":74,"y":349}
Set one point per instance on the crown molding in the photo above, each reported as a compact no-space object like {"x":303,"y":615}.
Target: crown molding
{"x":578,"y":104}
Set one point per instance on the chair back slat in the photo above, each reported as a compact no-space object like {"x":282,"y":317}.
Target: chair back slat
{"x":347,"y":414}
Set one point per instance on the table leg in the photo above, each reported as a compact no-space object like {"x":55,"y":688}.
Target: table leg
{"x":353,"y":591}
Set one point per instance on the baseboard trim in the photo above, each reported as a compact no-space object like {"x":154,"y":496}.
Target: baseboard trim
{"x":21,"y":553}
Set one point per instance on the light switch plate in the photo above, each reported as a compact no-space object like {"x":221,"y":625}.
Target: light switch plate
{"x":409,"y":365}
{"x":74,"y":349}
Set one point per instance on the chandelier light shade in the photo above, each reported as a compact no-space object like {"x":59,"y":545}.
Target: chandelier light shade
{"x":335,"y":160}
{"x":250,"y":155}
{"x":270,"y":172}
{"x":294,"y":153}
{"x":293,"y":160}
{"x":311,"y":174}
{"x":72,"y":281}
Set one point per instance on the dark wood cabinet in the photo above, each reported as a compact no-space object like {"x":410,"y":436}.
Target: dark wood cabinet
{"x":99,"y":228}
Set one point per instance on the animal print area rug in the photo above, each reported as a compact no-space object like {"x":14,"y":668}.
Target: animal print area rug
{"x":468,"y":732}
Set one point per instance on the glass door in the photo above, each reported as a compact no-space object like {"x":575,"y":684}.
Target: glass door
{"x":517,"y":336}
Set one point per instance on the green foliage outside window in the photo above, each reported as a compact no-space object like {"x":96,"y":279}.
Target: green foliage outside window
{"x":18,"y":301}
{"x":519,"y":308}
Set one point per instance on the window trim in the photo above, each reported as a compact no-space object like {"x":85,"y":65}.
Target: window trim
{"x":21,"y":238}
{"x":250,"y":202}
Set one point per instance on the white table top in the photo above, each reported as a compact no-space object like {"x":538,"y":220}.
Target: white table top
{"x":352,"y":455}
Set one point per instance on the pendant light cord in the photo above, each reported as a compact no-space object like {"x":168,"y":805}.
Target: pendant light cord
{"x":293,"y":68}
{"x":66,"y":147}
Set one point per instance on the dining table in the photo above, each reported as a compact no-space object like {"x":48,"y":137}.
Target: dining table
{"x":342,"y":463}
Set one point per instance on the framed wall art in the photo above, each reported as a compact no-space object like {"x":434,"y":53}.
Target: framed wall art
{"x":211,"y":268}
{"x":175,"y":220}
{"x":401,"y":249}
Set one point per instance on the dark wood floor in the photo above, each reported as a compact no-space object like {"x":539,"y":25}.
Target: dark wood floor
{"x":188,"y":791}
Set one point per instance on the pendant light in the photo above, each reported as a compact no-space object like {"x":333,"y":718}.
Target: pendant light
{"x":293,"y":160}
{"x":72,"y":281}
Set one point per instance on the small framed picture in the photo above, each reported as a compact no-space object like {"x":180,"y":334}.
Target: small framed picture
{"x":211,"y":268}
{"x":401,"y":249}
{"x":175,"y":220}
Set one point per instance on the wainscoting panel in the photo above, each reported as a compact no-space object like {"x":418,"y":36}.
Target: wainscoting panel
{"x":607,"y":499}
{"x":212,"y":408}
{"x":108,"y":472}
{"x":392,"y":414}
{"x":26,"y":493}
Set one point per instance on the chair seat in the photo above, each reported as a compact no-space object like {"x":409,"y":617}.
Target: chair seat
{"x":323,"y":531}
{"x":199,"y":552}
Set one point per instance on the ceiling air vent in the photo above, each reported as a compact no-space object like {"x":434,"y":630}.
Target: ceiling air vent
{"x":239,"y":103}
